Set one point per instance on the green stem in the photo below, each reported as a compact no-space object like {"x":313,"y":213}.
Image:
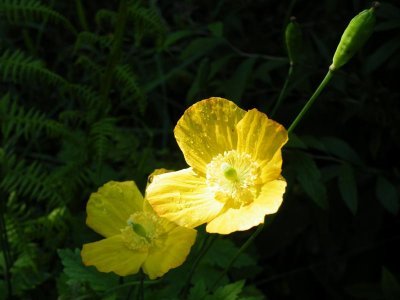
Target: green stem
{"x":28,"y":42}
{"x":209,"y":240}
{"x":115,"y":51}
{"x":238,"y":253}
{"x":283,"y":91}
{"x":141,"y":287}
{"x":81,"y":15}
{"x":310,"y":101}
{"x":5,"y":248}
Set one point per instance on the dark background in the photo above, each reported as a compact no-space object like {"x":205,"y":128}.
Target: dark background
{"x":82,"y":104}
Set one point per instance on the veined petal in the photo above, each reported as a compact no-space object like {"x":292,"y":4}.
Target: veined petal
{"x":207,"y":129}
{"x":244,"y":218}
{"x":183,"y":197}
{"x":110,"y":207}
{"x":173,"y":253}
{"x":272,"y":169}
{"x":259,"y":136}
{"x":112,"y":255}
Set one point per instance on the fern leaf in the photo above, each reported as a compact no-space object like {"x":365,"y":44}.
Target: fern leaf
{"x":130,"y":87}
{"x":20,"y":122}
{"x":105,"y":17}
{"x":101,"y":133}
{"x":16,"y":67}
{"x":146,"y":21}
{"x":91,"y":40}
{"x":25,"y":11}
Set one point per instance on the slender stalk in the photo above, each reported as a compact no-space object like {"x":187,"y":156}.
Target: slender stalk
{"x":81,"y":15}
{"x":238,"y":253}
{"x":209,"y":240}
{"x":141,"y":287}
{"x":283,"y":91}
{"x":5,"y":249}
{"x":310,"y":101}
{"x":115,"y":51}
{"x":28,"y":42}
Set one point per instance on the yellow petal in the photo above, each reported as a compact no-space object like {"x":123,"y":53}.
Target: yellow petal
{"x":206,"y":129}
{"x":244,"y":218}
{"x":259,"y":136}
{"x":183,"y":197}
{"x":173,"y":253}
{"x":110,"y":207}
{"x":271,"y":170}
{"x":112,"y":255}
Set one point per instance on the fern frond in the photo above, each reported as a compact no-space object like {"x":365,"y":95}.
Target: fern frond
{"x":17,"y":67}
{"x":86,"y":94}
{"x":25,"y":11}
{"x":90,"y":65}
{"x":146,"y":21}
{"x":101,"y":134}
{"x":29,"y":181}
{"x":105,"y":16}
{"x":130,"y":87}
{"x":20,"y":122}
{"x":92,"y":40}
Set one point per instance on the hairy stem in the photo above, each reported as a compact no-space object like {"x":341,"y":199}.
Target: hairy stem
{"x":209,"y":240}
{"x":310,"y":101}
{"x":238,"y":253}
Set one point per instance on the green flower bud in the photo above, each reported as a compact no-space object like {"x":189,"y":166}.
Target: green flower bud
{"x":293,"y":39}
{"x":354,"y":37}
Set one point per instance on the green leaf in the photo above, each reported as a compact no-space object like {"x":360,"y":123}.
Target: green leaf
{"x":198,"y":291}
{"x":295,"y":142}
{"x":382,"y":54}
{"x":78,"y":273}
{"x":221,"y":253}
{"x":199,"y":82}
{"x":217,"y":29}
{"x":348,"y":187}
{"x":235,"y":87}
{"x":309,"y":177}
{"x":228,"y":292}
{"x":341,"y":149}
{"x":3,"y":290}
{"x":390,"y":285}
{"x":387,"y":194}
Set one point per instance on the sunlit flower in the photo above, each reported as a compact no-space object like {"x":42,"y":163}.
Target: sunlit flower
{"x":234,"y":178}
{"x":135,"y":237}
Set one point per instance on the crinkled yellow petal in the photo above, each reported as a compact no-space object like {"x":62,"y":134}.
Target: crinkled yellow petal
{"x":112,"y":255}
{"x":244,"y":218}
{"x":183,"y":197}
{"x":173,"y":253}
{"x":271,"y":170}
{"x":110,"y":207}
{"x":207,"y":129}
{"x":259,"y":136}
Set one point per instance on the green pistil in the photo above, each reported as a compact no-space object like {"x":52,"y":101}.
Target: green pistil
{"x":229,"y":172}
{"x":139,"y":230}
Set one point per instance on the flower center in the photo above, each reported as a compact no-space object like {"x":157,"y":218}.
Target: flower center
{"x":233,"y":177}
{"x":143,"y":230}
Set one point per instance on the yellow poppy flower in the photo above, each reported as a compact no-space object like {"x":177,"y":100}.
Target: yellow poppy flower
{"x":135,"y":237}
{"x":234,"y":178}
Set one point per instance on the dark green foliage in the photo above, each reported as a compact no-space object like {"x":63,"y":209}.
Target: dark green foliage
{"x":80,"y":106}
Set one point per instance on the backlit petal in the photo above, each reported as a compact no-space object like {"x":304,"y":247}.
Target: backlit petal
{"x":173,"y":253}
{"x":110,"y":207}
{"x":244,"y":218}
{"x":111,"y":255}
{"x":182,"y":197}
{"x":207,"y":129}
{"x":259,"y":136}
